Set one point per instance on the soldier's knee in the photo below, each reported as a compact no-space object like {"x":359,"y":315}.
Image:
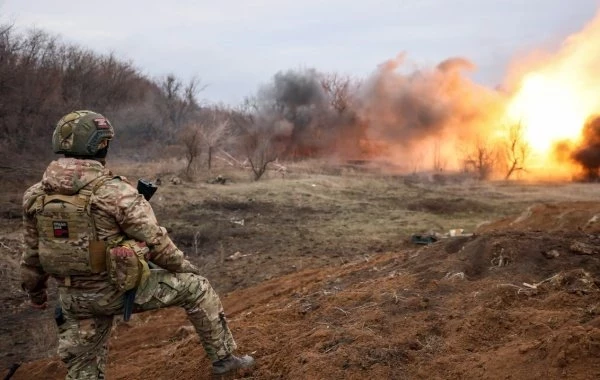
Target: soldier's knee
{"x":65,"y":354}
{"x":194,"y":283}
{"x":200,"y":293}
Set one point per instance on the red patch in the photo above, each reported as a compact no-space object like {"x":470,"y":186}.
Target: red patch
{"x":101,"y":123}
{"x":122,"y":252}
{"x":61,"y":229}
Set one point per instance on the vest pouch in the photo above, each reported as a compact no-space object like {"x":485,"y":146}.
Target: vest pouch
{"x":126,"y":264}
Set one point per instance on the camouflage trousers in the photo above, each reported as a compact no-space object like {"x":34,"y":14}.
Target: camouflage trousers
{"x":89,"y":315}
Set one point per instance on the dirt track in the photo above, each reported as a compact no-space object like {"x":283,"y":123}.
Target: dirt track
{"x":517,"y":300}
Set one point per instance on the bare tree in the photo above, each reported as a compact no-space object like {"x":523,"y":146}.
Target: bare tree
{"x":338,"y":89}
{"x":481,"y":158}
{"x":178,"y":100}
{"x":439,"y":163}
{"x":191,"y":139}
{"x":214,"y":129}
{"x":255,"y":135}
{"x":260,"y":152}
{"x":517,"y":150}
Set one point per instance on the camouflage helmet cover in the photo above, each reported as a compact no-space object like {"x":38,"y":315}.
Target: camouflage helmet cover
{"x":82,"y":133}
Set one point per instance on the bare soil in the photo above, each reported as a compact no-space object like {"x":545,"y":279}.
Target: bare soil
{"x":320,"y":281}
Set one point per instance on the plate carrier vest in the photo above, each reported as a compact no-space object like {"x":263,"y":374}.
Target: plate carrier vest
{"x":68,"y":241}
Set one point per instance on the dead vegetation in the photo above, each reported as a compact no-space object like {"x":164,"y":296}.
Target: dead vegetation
{"x":320,"y":279}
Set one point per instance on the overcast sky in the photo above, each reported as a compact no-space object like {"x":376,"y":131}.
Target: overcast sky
{"x":234,"y":45}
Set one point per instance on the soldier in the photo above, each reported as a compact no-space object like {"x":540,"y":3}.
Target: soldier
{"x":80,"y":224}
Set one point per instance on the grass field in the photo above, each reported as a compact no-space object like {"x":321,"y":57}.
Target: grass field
{"x":315,"y":215}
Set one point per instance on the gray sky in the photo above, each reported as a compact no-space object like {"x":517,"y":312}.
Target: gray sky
{"x":234,"y":46}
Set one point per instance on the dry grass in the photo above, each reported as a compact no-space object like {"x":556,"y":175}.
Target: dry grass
{"x":318,"y":214}
{"x":320,"y":210}
{"x":313,"y":219}
{"x":376,"y":204}
{"x":359,"y":208}
{"x":43,"y":338}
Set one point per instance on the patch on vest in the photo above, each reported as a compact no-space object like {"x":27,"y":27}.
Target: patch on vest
{"x":61,"y":229}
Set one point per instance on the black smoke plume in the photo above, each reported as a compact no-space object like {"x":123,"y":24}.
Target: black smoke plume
{"x":588,"y":153}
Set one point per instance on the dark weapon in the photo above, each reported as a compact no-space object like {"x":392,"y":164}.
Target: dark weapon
{"x":59,"y":317}
{"x":146,"y":188}
{"x":128,"y":299}
{"x":13,"y":368}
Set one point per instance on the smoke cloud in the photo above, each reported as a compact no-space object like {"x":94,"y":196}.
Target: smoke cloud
{"x":408,"y":108}
{"x":408,"y":114}
{"x":394,"y":112}
{"x":588,"y":153}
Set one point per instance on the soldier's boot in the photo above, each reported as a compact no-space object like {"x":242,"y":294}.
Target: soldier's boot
{"x":232,"y":363}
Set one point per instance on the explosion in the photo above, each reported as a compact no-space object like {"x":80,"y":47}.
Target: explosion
{"x":543,"y":124}
{"x":554,"y":100}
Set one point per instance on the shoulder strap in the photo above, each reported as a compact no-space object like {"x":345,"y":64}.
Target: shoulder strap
{"x":87,"y":192}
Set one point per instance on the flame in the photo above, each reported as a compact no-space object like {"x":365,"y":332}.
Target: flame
{"x":556,"y":96}
{"x":550,"y":98}
{"x":550,"y":109}
{"x":423,"y":118}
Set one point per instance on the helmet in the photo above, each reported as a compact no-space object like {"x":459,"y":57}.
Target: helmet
{"x":82,"y":133}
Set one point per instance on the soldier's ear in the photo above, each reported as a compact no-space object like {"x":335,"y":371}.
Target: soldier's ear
{"x":103,"y":144}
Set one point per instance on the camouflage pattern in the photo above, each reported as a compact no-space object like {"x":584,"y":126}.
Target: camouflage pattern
{"x":66,"y":234}
{"x":126,"y":264}
{"x":90,"y":301}
{"x":82,"y":345}
{"x":89,"y":318}
{"x":81,"y":133}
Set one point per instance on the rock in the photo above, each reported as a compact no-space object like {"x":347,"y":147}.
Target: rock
{"x":218,"y":180}
{"x":551,"y":254}
{"x":583,"y":248}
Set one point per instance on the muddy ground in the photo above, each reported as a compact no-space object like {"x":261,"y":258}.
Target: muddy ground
{"x":320,"y":280}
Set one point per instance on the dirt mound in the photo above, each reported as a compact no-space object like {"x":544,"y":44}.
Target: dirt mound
{"x":551,"y":217}
{"x":517,"y":300}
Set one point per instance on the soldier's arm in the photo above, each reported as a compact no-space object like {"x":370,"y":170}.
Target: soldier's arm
{"x":137,"y":220}
{"x":34,"y":279}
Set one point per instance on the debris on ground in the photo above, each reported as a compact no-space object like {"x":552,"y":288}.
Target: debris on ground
{"x":218,"y":180}
{"x":236,"y":256}
{"x":584,"y":249}
{"x":423,"y":239}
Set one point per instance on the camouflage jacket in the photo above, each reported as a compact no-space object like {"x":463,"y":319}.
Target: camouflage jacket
{"x":117,"y":209}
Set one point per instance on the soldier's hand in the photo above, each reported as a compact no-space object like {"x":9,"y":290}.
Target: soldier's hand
{"x":38,"y":300}
{"x":187,"y":267}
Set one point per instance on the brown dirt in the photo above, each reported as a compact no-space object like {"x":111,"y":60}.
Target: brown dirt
{"x":512,"y":301}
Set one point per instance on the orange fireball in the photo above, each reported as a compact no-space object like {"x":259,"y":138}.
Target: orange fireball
{"x":556,"y":96}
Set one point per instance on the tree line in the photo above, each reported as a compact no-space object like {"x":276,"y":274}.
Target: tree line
{"x":43,"y":78}
{"x":300,"y":113}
